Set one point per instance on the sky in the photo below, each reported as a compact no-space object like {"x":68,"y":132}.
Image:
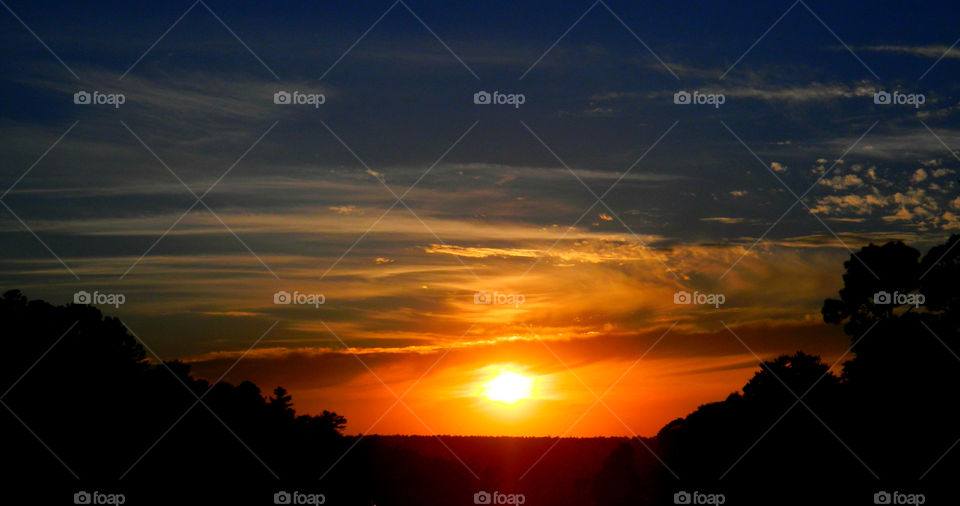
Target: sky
{"x":580,"y":206}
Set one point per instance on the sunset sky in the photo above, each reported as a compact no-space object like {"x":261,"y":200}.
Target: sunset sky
{"x":399,"y":198}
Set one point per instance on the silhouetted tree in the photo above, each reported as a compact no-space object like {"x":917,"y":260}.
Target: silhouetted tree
{"x":78,"y":387}
{"x":904,"y":376}
{"x":893,"y":267}
{"x":281,"y":401}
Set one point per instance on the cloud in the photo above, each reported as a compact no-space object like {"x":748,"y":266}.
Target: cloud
{"x":842,"y":182}
{"x":232,"y":313}
{"x":922,"y":51}
{"x":857,"y":204}
{"x":908,"y":143}
{"x":951,"y":221}
{"x":801,"y":93}
{"x":778,"y":167}
{"x":540,"y":173}
{"x":345,"y":210}
{"x":724,"y":220}
{"x":379,"y":175}
{"x":586,"y":251}
{"x":912,"y":197}
{"x":474,"y":252}
{"x":902,"y":215}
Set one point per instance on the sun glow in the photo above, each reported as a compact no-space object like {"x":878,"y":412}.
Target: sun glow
{"x":508,"y":387}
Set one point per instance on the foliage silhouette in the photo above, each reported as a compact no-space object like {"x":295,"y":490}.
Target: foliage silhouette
{"x":884,"y":423}
{"x":100,"y":405}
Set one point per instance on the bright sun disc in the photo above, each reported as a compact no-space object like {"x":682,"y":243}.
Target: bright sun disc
{"x":508,"y":387}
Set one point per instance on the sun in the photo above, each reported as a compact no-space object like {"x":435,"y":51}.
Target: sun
{"x":508,"y":387}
